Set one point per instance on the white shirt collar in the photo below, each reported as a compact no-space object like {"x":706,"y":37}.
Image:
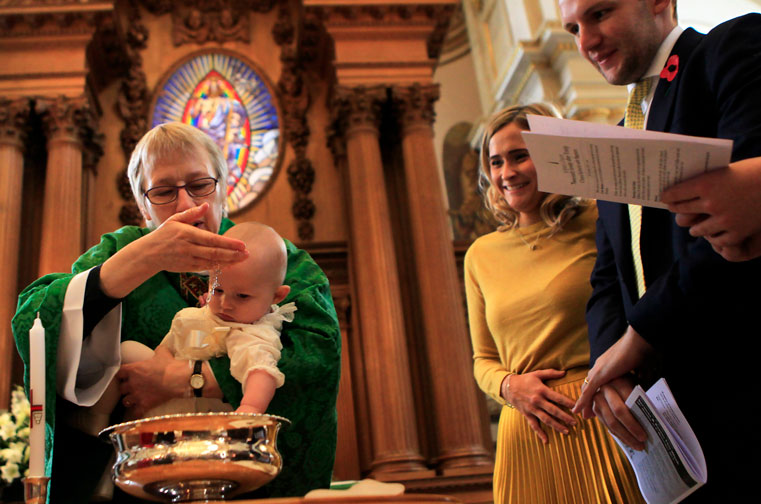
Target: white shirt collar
{"x":664,"y":51}
{"x":659,"y":61}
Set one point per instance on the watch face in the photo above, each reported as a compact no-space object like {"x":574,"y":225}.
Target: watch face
{"x":197,"y":381}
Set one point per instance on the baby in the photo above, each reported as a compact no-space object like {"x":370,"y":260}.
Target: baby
{"x":240,"y":319}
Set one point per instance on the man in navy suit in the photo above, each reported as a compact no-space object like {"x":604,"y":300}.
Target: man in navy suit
{"x":695,"y":318}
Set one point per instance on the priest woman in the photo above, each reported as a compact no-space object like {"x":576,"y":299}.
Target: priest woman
{"x":130,"y":285}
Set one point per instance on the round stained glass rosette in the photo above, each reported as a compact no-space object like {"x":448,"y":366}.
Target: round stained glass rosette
{"x":231,"y":102}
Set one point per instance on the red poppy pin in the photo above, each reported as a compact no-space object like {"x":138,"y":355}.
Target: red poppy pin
{"x":671,"y":68}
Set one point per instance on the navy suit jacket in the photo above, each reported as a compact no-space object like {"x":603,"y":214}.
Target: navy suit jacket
{"x":699,"y":311}
{"x":716,"y":93}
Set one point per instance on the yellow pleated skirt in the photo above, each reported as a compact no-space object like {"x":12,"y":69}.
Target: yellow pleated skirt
{"x":584,"y":466}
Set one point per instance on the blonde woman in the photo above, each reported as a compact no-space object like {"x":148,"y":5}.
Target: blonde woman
{"x":527,"y":285}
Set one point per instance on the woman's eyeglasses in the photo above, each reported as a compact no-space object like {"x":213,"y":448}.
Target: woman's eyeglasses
{"x":163,"y":195}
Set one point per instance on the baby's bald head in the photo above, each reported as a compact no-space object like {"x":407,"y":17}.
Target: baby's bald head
{"x":267,"y":259}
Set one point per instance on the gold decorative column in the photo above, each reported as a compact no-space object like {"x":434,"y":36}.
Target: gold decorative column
{"x":395,"y":444}
{"x":13,"y":121}
{"x":460,"y":442}
{"x":62,"y":241}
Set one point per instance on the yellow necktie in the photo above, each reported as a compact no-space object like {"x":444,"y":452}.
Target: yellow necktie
{"x":636,"y":119}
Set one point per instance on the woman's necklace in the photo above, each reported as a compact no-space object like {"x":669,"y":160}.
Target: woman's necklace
{"x":539,"y":235}
{"x":531,"y":246}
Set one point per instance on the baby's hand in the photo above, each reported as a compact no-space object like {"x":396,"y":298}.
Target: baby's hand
{"x":246,"y":408}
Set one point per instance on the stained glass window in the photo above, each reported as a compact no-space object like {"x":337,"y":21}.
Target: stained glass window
{"x":232,"y":103}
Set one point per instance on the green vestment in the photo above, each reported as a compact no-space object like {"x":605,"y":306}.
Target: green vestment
{"x":310,"y":361}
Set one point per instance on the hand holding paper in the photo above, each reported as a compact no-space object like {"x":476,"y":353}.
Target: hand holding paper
{"x":724,"y":207}
{"x":672,"y":466}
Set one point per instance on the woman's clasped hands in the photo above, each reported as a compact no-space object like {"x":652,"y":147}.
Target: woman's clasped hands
{"x":529,"y":394}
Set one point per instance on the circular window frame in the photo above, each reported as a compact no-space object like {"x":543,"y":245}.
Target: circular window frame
{"x":271,"y":90}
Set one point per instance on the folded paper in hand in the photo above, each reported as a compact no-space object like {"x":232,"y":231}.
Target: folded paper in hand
{"x":672,"y":465}
{"x":617,"y":164}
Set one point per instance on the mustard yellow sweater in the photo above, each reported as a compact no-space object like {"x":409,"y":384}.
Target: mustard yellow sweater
{"x":526,"y":307}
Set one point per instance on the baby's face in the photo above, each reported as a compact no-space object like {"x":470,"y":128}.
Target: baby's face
{"x":240,"y":297}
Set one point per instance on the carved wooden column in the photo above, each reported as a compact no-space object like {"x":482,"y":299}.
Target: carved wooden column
{"x":458,"y":425}
{"x":62,"y":217}
{"x":394,"y":438}
{"x":13,"y":120}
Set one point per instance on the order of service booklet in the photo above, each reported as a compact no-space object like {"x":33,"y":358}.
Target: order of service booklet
{"x":617,"y":164}
{"x":672,"y":465}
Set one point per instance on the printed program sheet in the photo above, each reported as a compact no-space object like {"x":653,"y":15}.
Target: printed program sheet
{"x":617,"y":164}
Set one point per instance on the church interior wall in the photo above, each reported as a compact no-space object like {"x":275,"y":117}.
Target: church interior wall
{"x":459,"y":100}
{"x":107,"y":200}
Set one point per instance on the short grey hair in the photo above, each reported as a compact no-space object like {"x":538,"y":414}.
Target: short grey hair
{"x":172,"y":140}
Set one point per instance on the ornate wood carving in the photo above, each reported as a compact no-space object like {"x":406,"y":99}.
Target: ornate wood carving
{"x":206,"y":21}
{"x":372,"y":15}
{"x":358,"y":106}
{"x":283,"y":30}
{"x":71,"y":119}
{"x":92,"y":144}
{"x":442,"y":14}
{"x":14,"y":117}
{"x":69,"y":124}
{"x":384,"y":352}
{"x":132,"y":105}
{"x":107,"y":53}
{"x":14,"y":126}
{"x":295,"y":98}
{"x":352,"y":106}
{"x":18,"y":19}
{"x":200,"y":21}
{"x":414,"y":104}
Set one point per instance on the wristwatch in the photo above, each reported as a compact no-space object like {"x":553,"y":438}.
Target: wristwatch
{"x":197,"y":381}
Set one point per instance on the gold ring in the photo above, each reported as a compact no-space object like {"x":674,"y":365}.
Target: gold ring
{"x":586,"y":382}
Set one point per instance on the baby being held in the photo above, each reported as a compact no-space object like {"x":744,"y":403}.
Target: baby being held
{"x":241,"y":317}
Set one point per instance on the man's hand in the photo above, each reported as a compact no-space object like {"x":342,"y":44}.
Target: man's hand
{"x":724,"y":207}
{"x":745,"y":251}
{"x":606,"y":385}
{"x":610,"y":407}
{"x":537,"y":402}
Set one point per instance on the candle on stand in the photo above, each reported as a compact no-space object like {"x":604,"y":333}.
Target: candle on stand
{"x":37,"y":399}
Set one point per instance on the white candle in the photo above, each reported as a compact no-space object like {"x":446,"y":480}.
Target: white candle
{"x":37,"y":399}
